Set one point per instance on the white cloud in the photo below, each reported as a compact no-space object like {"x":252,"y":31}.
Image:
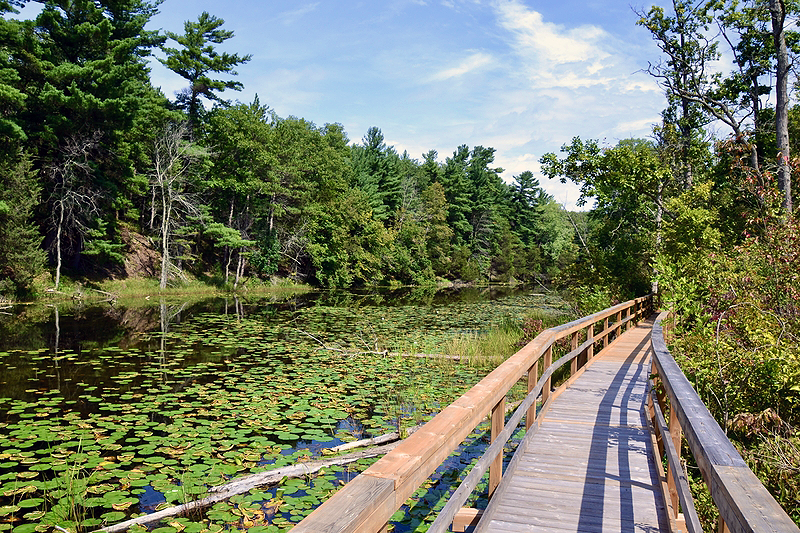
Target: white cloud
{"x":553,"y":55}
{"x":643,"y":85}
{"x":471,"y":63}
{"x":625,"y":128}
{"x":547,"y":40}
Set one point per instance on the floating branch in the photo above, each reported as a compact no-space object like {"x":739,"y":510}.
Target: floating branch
{"x":270,"y":477}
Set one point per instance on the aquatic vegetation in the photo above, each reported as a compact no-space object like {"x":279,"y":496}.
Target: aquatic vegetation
{"x":112,"y":412}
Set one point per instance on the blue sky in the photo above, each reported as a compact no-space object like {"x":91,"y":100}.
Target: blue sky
{"x":521,"y":76}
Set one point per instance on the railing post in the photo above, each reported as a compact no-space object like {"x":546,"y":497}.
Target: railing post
{"x":590,"y":349}
{"x":573,"y":365}
{"x":548,"y":360}
{"x":533,"y":377}
{"x":606,"y":334}
{"x":496,"y":468}
{"x":676,"y":434}
{"x":651,"y":403}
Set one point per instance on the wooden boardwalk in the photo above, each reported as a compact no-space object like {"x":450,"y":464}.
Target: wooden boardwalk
{"x":587,"y":464}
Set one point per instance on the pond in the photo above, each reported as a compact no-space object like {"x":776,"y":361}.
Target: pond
{"x":121,"y":408}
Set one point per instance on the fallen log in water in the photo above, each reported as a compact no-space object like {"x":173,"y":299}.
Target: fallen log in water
{"x":270,"y":477}
{"x":363,"y":443}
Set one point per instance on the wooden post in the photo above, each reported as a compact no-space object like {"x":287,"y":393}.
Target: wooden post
{"x":533,"y":377}
{"x":573,"y":366}
{"x":659,"y":436}
{"x":676,"y":434}
{"x":590,"y":349}
{"x":548,"y":360}
{"x":496,"y":468}
{"x":605,"y":335}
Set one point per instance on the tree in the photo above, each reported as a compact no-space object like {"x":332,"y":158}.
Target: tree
{"x":437,"y":234}
{"x":777,"y":9}
{"x":630,"y":184}
{"x":685,"y":74}
{"x":21,"y":256}
{"x":230,"y":239}
{"x":525,"y":199}
{"x":12,"y":98}
{"x":377,"y":173}
{"x":173,"y":157}
{"x":756,"y":33}
{"x":74,"y":199}
{"x":487,"y":189}
{"x":457,"y":193}
{"x":73,"y":83}
{"x":242,"y":180}
{"x":198,"y":59}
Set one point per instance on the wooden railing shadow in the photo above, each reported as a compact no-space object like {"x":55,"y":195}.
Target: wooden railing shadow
{"x":366,"y":503}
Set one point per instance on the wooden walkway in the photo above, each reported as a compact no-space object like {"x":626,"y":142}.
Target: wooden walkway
{"x":588,"y":463}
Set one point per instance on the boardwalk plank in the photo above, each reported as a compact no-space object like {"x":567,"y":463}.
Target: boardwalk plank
{"x":589,"y":466}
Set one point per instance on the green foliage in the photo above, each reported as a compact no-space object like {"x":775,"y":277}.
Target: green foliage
{"x":101,"y":245}
{"x":347,"y":242}
{"x":376,"y":170}
{"x":628,"y":183}
{"x":21,"y":258}
{"x":589,"y":299}
{"x":738,"y":316}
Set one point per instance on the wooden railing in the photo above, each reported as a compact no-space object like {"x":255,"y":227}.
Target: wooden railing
{"x":744,"y":504}
{"x":366,"y":503}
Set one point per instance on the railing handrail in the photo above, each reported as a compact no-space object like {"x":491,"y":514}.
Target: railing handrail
{"x":743,"y":502}
{"x":367,"y":502}
{"x":470,"y":482}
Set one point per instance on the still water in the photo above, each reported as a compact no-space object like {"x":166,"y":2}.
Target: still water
{"x":121,"y":408}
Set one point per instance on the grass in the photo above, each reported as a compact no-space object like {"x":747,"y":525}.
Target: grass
{"x":71,"y":289}
{"x":489,"y":349}
{"x":504,"y":340}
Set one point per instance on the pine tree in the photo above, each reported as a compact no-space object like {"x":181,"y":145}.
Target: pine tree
{"x":198,"y":59}
{"x":21,"y":257}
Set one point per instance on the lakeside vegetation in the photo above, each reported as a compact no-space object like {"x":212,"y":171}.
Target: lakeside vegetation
{"x":103,"y":177}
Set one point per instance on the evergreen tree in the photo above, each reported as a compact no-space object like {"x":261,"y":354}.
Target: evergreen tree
{"x":198,"y":59}
{"x":82,"y":68}
{"x":21,"y":256}
{"x":525,"y":199}
{"x":377,"y":173}
{"x":457,"y":190}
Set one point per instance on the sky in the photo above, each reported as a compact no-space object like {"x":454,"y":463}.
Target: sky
{"x":521,"y":76}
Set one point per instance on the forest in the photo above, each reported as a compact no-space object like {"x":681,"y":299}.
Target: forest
{"x":98,"y":168}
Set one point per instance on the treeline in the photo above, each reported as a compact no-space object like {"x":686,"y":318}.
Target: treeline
{"x":98,"y":166}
